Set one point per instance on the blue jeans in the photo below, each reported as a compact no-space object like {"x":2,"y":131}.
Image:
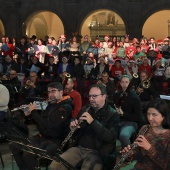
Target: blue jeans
{"x":126,"y":132}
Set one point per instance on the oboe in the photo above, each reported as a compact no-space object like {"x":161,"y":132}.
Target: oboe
{"x":72,"y":131}
{"x":132,"y":147}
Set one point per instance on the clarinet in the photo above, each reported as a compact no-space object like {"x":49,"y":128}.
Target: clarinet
{"x":72,"y":131}
{"x":126,"y":155}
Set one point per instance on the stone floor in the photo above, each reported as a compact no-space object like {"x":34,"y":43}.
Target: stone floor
{"x":7,"y":158}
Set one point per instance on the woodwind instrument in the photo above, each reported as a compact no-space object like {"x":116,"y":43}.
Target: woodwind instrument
{"x":72,"y":131}
{"x":132,"y":147}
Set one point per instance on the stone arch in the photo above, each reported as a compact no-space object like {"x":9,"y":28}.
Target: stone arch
{"x":156,"y":25}
{"x":100,"y":22}
{"x":42,"y":23}
{"x":2,"y":29}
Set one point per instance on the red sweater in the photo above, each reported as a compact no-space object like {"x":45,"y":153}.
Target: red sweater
{"x":146,"y":68}
{"x":115,"y":72}
{"x":77,"y":102}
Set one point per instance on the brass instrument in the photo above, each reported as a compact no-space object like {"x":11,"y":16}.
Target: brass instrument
{"x":135,"y":75}
{"x":27,"y":84}
{"x":66,"y":77}
{"x":132,"y":147}
{"x":146,"y":83}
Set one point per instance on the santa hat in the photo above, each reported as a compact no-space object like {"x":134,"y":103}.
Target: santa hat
{"x":156,"y":61}
{"x":63,"y":36}
{"x":107,"y":36}
{"x":166,"y":39}
{"x":132,"y":60}
{"x":160,"y":41}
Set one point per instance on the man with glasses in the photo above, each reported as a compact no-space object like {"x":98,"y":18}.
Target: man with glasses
{"x":96,"y":135}
{"x":52,"y":125}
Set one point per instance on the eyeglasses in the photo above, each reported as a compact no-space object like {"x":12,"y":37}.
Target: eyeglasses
{"x":94,"y":96}
{"x":52,"y":91}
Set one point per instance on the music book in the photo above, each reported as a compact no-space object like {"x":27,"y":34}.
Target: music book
{"x":165,"y":97}
{"x":4,"y":47}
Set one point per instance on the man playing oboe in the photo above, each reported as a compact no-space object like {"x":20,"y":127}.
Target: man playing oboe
{"x":95,"y":136}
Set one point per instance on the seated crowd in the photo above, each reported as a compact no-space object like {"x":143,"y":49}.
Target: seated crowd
{"x":117,"y":78}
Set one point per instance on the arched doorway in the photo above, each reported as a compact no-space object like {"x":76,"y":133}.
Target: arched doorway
{"x":2,"y":30}
{"x":101,"y":23}
{"x":157,"y":25}
{"x":43,"y":23}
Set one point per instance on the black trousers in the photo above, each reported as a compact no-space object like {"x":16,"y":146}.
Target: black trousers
{"x":28,"y":161}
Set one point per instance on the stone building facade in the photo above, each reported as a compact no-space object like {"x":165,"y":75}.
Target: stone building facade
{"x":134,"y":13}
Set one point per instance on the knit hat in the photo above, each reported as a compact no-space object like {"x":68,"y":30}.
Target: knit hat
{"x":90,"y":58}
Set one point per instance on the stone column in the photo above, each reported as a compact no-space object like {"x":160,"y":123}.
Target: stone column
{"x":168,"y":28}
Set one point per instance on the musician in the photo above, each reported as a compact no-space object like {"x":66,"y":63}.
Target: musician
{"x":158,"y":76}
{"x":14,"y":80}
{"x":109,"y":84}
{"x":4,"y":100}
{"x":52,"y":125}
{"x":130,"y":110}
{"x":50,"y":71}
{"x":77,"y":100}
{"x":154,"y":146}
{"x":145,"y":94}
{"x":96,"y":136}
{"x":31,"y":88}
{"x":9,"y":64}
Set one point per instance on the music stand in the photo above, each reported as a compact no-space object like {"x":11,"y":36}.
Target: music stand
{"x":21,"y":139}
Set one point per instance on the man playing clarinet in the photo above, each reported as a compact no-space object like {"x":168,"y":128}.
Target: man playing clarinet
{"x":95,"y":136}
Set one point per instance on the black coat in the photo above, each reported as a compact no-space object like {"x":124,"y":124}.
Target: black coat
{"x":105,"y":129}
{"x":54,"y":122}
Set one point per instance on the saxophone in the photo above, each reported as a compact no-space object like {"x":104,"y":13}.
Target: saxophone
{"x":133,"y":146}
{"x":72,"y":131}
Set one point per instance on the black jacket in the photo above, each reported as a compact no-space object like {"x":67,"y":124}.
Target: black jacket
{"x":131,"y":106}
{"x":54,"y":122}
{"x":105,"y":129}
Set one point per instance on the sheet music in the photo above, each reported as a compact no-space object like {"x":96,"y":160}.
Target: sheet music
{"x":166,"y":97}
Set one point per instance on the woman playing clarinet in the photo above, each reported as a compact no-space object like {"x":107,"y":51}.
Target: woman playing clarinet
{"x":153,"y":148}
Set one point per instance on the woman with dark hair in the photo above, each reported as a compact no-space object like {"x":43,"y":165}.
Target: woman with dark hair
{"x":153,"y":147}
{"x":10,"y":49}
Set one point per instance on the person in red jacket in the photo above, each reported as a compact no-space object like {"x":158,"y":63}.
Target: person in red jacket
{"x":77,"y":100}
{"x":145,"y":66}
{"x":116,"y":71}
